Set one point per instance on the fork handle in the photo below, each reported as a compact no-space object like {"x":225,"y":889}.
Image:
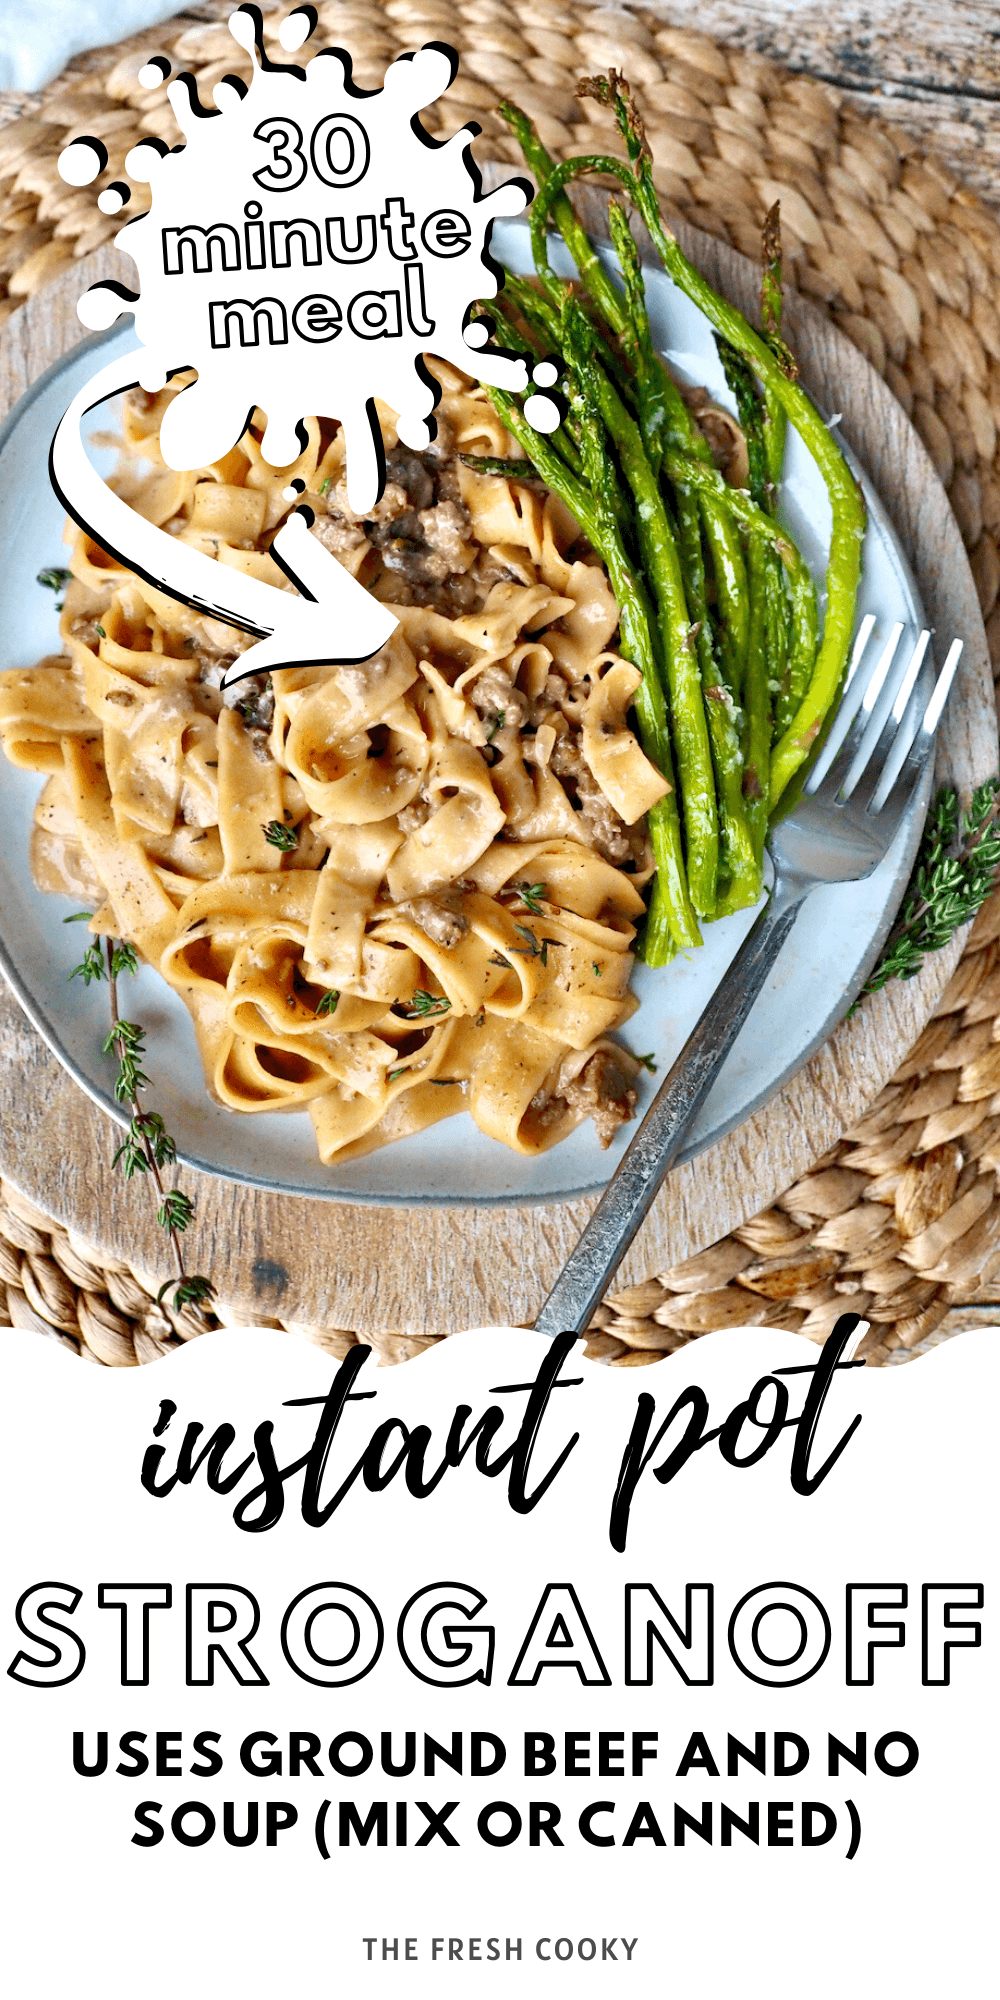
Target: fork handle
{"x":630,"y":1193}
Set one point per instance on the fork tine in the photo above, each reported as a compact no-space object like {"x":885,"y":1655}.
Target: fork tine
{"x":859,"y":704}
{"x":870,"y":727}
{"x":854,"y":689}
{"x":942,"y":690}
{"x":902,"y":718}
{"x":913,"y":743}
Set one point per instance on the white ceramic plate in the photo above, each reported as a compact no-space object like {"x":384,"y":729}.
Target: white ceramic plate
{"x":831,"y":950}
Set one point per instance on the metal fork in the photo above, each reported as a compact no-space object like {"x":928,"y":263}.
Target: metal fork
{"x":842,"y":826}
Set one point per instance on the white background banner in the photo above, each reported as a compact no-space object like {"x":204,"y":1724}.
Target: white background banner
{"x":726,"y":1737}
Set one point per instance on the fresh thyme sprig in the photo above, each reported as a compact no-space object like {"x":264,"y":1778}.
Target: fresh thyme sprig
{"x":277,"y":834}
{"x":54,"y":579}
{"x":533,"y":947}
{"x":328,"y":1004}
{"x":127,"y":1041}
{"x":122,"y":956}
{"x":956,"y":868}
{"x":531,"y":894}
{"x":147,"y":1145}
{"x":423,"y":1005}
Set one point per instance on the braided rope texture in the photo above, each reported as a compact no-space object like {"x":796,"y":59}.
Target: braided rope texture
{"x":900,"y":1221}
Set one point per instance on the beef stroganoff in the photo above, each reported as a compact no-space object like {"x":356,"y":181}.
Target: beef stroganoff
{"x":392,"y":890}
{"x":386,"y":892}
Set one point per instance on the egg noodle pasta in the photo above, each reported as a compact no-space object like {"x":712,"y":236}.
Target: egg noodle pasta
{"x":385,"y":892}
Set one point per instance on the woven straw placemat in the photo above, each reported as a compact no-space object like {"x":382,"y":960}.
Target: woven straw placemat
{"x":901,"y":1220}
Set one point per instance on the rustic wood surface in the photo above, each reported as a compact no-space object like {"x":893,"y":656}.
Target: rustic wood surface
{"x":932,"y":67}
{"x":364,"y":1268}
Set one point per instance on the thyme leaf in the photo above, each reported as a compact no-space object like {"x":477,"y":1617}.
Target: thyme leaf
{"x":91,"y":966}
{"x":277,"y":834}
{"x":123,"y":958}
{"x":533,"y":947}
{"x":176,"y":1210}
{"x":424,"y":1005}
{"x":955,"y":870}
{"x":189,"y":1292}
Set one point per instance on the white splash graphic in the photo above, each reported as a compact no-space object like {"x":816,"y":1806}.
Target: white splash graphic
{"x":543,"y":412}
{"x":304,"y":248}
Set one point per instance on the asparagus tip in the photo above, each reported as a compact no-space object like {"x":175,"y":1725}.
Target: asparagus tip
{"x":772,"y":238}
{"x":616,"y":91}
{"x":517,"y":119}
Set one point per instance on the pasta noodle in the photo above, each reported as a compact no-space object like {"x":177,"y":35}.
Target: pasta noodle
{"x":385,"y":892}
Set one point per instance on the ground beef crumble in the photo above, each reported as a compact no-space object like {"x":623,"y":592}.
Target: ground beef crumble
{"x":609,"y":834}
{"x":603,"y":1091}
{"x":444,"y":926}
{"x":419,"y":533}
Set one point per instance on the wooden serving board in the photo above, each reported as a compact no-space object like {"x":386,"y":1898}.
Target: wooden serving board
{"x":425,"y":1270}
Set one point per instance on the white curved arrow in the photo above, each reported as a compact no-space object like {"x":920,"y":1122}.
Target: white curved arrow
{"x":335,"y":620}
